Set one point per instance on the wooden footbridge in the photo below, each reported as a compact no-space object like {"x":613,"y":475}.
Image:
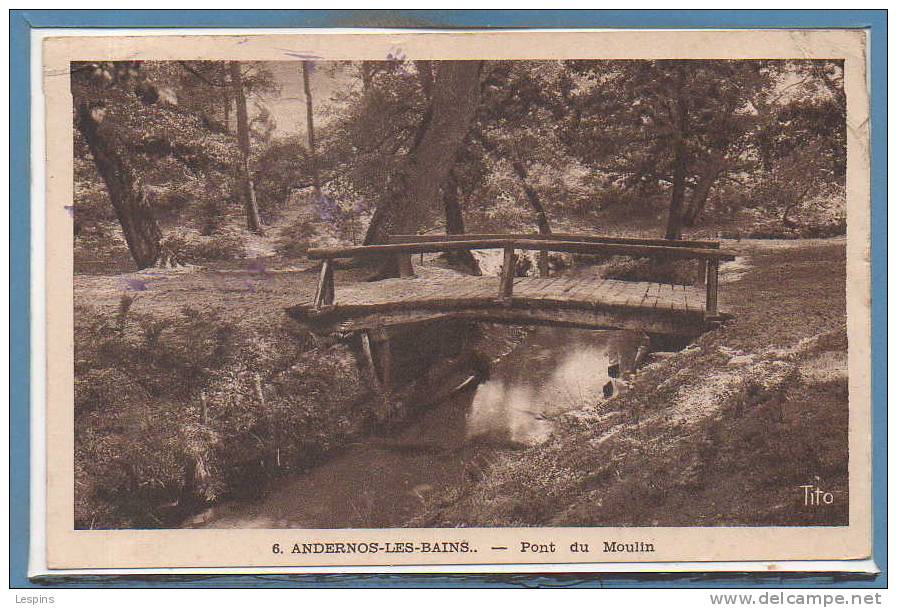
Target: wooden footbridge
{"x":559,"y":299}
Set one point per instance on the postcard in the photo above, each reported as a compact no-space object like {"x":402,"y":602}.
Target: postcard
{"x":393,"y":298}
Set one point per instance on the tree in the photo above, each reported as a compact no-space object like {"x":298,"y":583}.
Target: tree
{"x":531,"y":195}
{"x":92,"y":83}
{"x":248,"y":188}
{"x":156,"y":129}
{"x":366,"y":145}
{"x":381,"y":138}
{"x":414,"y":190}
{"x":680,"y":125}
{"x":667,"y":126}
{"x":515,"y":167}
{"x":310,"y":128}
{"x":207,"y":92}
{"x":802,"y":142}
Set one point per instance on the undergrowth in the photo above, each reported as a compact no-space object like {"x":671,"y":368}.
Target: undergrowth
{"x":175,"y":410}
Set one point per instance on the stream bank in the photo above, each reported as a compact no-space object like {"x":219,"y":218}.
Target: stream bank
{"x":389,"y":478}
{"x":199,"y":376}
{"x":193,"y":387}
{"x":723,"y":433}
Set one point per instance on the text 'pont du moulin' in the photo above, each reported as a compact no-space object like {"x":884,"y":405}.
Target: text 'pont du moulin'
{"x":361,"y":548}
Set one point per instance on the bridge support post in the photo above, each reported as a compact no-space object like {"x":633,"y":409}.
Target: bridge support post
{"x":325,"y":292}
{"x":712,"y":280}
{"x":406,"y":269}
{"x":508,"y":270}
{"x":378,"y":353}
{"x":543,"y":264}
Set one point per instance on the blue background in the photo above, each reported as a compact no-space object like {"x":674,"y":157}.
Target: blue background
{"x":21,"y":21}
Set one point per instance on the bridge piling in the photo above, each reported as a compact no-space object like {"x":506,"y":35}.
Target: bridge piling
{"x":325,"y":291}
{"x":508,"y":270}
{"x":712,"y":287}
{"x":406,"y":268}
{"x":378,"y":352}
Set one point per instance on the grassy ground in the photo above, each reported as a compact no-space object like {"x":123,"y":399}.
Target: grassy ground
{"x":193,"y":385}
{"x":723,"y":433}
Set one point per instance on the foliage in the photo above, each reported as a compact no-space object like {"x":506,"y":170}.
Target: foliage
{"x":171,"y":118}
{"x":758,"y":145}
{"x":141,"y":377}
{"x":192,"y":247}
{"x":674,"y":272}
{"x":740,"y":122}
{"x":282,"y":167}
{"x":134,"y":374}
{"x":586,"y":139}
{"x":362,"y":147}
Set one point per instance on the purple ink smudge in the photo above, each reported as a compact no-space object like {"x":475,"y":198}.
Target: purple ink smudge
{"x":136,"y":284}
{"x":257,"y":266}
{"x":301,"y":55}
{"x":70,"y":209}
{"x":397,"y":54}
{"x":328,"y":209}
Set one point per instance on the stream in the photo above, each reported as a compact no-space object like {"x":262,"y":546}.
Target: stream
{"x":383,"y":481}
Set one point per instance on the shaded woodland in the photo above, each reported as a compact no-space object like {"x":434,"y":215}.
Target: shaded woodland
{"x":181,"y":161}
{"x":199,"y":186}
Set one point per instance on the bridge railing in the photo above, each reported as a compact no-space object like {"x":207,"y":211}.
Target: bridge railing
{"x":708,"y":251}
{"x":555,"y":236}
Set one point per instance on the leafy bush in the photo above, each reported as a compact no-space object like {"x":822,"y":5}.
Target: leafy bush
{"x":299,"y":238}
{"x":101,"y":239}
{"x":144,"y":454}
{"x":676,"y":272}
{"x":192,"y":247}
{"x":91,"y":200}
{"x":281,"y":168}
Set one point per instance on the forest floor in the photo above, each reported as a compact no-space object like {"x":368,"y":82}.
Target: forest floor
{"x":724,"y":432}
{"x":193,"y":384}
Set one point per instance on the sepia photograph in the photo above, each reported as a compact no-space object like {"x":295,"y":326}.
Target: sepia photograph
{"x":320,"y":294}
{"x":325,"y":300}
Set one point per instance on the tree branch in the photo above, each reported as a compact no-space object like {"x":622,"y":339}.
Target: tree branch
{"x":199,"y":75}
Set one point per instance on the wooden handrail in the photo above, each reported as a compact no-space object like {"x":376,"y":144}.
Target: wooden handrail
{"x":555,"y":236}
{"x":639,"y":251}
{"x":583,"y":244}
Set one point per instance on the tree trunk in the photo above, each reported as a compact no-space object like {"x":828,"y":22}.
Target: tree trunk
{"x":454,"y":224}
{"x":246,"y":185}
{"x":533,"y":197}
{"x":226,"y":113}
{"x":415,"y":190}
{"x":787,"y":222}
{"x":541,"y":218}
{"x":367,"y":76}
{"x":701,"y":193}
{"x":310,"y":125}
{"x":425,"y":76}
{"x":680,"y":167}
{"x":674,"y":221}
{"x":138,"y":222}
{"x":522,"y":174}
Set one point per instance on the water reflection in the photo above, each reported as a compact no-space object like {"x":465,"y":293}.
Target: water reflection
{"x":519,"y":408}
{"x":385,"y":481}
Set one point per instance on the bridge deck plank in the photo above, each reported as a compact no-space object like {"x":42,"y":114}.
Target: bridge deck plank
{"x":568,"y":289}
